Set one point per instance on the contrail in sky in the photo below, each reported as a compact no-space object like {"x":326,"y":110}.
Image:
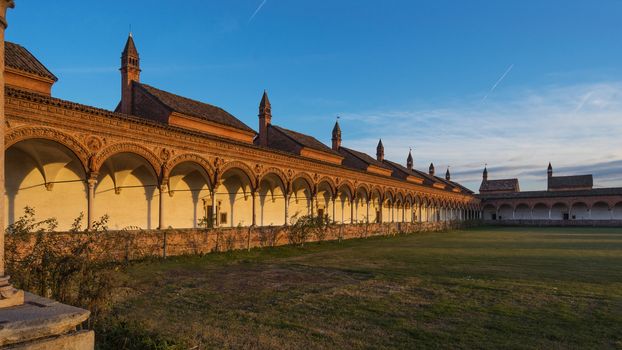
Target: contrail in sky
{"x":498,"y":82}
{"x":257,"y":10}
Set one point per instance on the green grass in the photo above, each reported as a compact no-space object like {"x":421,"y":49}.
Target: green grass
{"x":481,"y":288}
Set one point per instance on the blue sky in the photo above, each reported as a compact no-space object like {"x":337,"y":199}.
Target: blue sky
{"x":514,"y":84}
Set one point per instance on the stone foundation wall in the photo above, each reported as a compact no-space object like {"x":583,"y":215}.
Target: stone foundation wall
{"x":557,"y":223}
{"x":132,"y":245}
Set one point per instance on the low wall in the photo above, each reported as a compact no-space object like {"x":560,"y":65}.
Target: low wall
{"x":131,"y":245}
{"x":556,"y":223}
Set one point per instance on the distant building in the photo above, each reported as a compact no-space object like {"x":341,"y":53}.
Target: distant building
{"x":567,"y":200}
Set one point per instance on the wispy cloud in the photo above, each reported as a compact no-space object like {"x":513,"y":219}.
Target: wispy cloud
{"x":516,"y":136}
{"x":257,"y":10}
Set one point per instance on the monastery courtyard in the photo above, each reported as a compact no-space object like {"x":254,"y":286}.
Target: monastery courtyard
{"x":487,"y":287}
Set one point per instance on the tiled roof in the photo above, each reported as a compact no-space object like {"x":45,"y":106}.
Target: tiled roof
{"x":570,"y":182}
{"x":304,"y":140}
{"x":17,"y":57}
{"x":194,"y":108}
{"x":405,"y":170}
{"x":364,"y":157}
{"x":499,"y":185}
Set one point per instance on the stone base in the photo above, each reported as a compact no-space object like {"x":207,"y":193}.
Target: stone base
{"x":14,"y":300}
{"x":41,"y":323}
{"x":81,"y":340}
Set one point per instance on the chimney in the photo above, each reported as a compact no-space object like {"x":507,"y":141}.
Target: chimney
{"x":485,"y":173}
{"x":431,"y":171}
{"x":409,"y":160}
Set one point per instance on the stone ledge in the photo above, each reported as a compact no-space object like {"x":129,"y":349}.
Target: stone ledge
{"x":38,"y":318}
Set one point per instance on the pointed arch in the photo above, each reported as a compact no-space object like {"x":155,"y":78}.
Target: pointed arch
{"x":242,"y":167}
{"x":192,"y":158}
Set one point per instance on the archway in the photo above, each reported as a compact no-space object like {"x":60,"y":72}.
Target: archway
{"x":540,"y":211}
{"x":360,"y":208}
{"x":234,"y":201}
{"x":48,"y":177}
{"x":375,"y":210}
{"x":126,"y":191}
{"x":579,"y":211}
{"x":522,"y":212}
{"x":489,"y":212}
{"x":272,"y":201}
{"x":188,"y":202}
{"x":617,"y":211}
{"x":343,"y":205}
{"x":324,"y":200}
{"x":600,"y":211}
{"x":559,"y":211}
{"x":300,"y":198}
{"x":506,"y":212}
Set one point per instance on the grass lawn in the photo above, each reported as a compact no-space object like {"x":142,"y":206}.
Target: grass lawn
{"x":495,"y":288}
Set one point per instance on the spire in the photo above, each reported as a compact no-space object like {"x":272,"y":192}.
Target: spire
{"x":380,"y":151}
{"x":336,"y":136}
{"x":549,"y":170}
{"x":130,"y":47}
{"x":265,"y":119}
{"x":409,"y":160}
{"x":130,"y":72}
{"x":431,"y":169}
{"x":485,"y":173}
{"x":447,"y":175}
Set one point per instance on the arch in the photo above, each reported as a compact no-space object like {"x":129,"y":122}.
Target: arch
{"x":278,"y":174}
{"x":579,"y":211}
{"x":47,"y":176}
{"x":240,"y":166}
{"x":601,"y":211}
{"x":272,"y":196}
{"x":189,"y":195}
{"x":190,"y":158}
{"x":348,"y":184}
{"x":505,"y":212}
{"x":522,"y":212}
{"x":126,"y":147}
{"x":540,"y":211}
{"x":330,"y":182}
{"x":559,"y":211}
{"x":126,"y":191}
{"x":489,"y":212}
{"x":617,"y":211}
{"x":16,"y":135}
{"x":365,"y":187}
{"x":305,"y":177}
{"x":300,"y":196}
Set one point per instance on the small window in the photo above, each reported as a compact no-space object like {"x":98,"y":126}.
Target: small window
{"x":223,"y":218}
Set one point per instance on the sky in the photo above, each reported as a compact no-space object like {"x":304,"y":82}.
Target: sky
{"x":511,"y":84}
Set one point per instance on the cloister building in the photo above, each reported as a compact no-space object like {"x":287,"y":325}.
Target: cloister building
{"x":568,"y":200}
{"x":161,"y":160}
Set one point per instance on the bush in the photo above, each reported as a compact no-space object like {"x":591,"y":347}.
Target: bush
{"x":307,"y":226}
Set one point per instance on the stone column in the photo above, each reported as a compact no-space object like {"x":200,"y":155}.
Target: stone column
{"x":287,"y":196}
{"x":334,"y":213}
{"x":254,"y":207}
{"x":9,"y":296}
{"x":92,"y":181}
{"x":162,"y":189}
{"x":214,"y":209}
{"x":352,"y":201}
{"x":368,"y":221}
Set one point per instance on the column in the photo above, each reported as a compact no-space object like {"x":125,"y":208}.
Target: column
{"x":368,"y":221}
{"x":332,"y":199}
{"x":313,"y":198}
{"x":162,"y":189}
{"x":9,"y":296}
{"x":287,"y":197}
{"x":352,"y":204}
{"x":214,"y":208}
{"x":92,"y":181}
{"x":254,"y":207}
